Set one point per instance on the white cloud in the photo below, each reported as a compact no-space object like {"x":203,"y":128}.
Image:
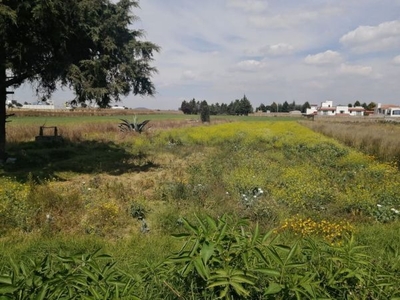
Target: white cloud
{"x":324,"y":58}
{"x":396,"y":60}
{"x":277,"y":49}
{"x":248,"y":5}
{"x":292,"y":18}
{"x":249,"y":65}
{"x":364,"y":39}
{"x":188,"y":75}
{"x":355,"y":69}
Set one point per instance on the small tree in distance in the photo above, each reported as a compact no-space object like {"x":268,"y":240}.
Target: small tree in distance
{"x":204,"y":112}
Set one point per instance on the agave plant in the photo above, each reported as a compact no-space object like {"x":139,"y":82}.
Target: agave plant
{"x":125,"y":125}
{"x":7,"y":116}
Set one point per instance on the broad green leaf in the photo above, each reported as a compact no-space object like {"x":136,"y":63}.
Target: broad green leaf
{"x":269,"y":272}
{"x":291,"y":252}
{"x":8,"y":289}
{"x":207,"y":250}
{"x":201,"y":268}
{"x":5,"y":279}
{"x":222,"y":232}
{"x":202,"y":224}
{"x":242,"y":279}
{"x":211,"y":222}
{"x":194,"y":248}
{"x":189,"y":226}
{"x":255,"y":235}
{"x":266,"y":236}
{"x":273,"y":288}
{"x":43,"y":292}
{"x":283,"y":247}
{"x":260,"y":255}
{"x":94,"y":293}
{"x":218,"y":283}
{"x":274,"y":255}
{"x":187,"y":269}
{"x":224,"y":292}
{"x":239,"y":289}
{"x":222,"y":272}
{"x":245,"y":258}
{"x":179,"y":259}
{"x":309,"y":288}
{"x":89,"y":274}
{"x":180,"y":235}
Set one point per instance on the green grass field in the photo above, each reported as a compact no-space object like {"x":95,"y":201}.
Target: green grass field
{"x":266,"y":208}
{"x":64,"y":119}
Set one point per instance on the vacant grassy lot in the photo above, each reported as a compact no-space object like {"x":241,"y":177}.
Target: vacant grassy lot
{"x":376,"y":137}
{"x":267,"y":209}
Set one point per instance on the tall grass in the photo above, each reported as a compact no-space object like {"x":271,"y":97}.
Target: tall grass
{"x":379,"y":139}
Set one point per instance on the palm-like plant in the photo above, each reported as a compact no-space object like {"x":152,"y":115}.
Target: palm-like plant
{"x":125,"y":125}
{"x":7,"y":116}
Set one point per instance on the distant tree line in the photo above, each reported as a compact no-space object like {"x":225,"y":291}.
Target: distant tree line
{"x":284,"y":107}
{"x":243,"y":107}
{"x":370,"y":106}
{"x":238,"y":107}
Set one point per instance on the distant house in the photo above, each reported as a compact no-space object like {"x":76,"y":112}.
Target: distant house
{"x":312,"y":110}
{"x":41,"y":105}
{"x":388,"y":110}
{"x":356,"y":111}
{"x":328,"y":109}
{"x":118,"y":107}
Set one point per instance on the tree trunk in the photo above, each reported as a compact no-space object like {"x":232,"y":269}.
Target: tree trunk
{"x":3,"y":98}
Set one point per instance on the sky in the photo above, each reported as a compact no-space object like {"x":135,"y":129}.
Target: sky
{"x":268,"y":50}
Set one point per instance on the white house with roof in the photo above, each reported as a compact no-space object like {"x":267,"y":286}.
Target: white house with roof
{"x":328,"y":109}
{"x":389,"y":110}
{"x":40,"y":105}
{"x":312,"y":110}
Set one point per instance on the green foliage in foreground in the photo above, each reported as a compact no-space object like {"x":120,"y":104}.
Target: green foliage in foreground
{"x":86,"y":276}
{"x":219,"y":259}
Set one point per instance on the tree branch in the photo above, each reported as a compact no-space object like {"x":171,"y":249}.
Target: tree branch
{"x":17,"y":79}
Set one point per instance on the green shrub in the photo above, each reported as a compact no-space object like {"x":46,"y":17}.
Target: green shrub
{"x":82,"y":276}
{"x":222,"y":258}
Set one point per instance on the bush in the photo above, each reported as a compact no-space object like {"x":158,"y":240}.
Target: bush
{"x":204,"y":112}
{"x":222,"y":258}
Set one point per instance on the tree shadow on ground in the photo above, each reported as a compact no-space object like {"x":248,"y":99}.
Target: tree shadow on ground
{"x":47,"y":160}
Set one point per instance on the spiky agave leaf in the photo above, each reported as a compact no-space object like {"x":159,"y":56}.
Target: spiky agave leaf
{"x":135,"y":126}
{"x":125,"y":125}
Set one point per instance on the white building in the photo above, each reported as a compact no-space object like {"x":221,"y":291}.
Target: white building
{"x":389,"y":110}
{"x":41,"y":105}
{"x":327,"y":109}
{"x":312,"y":110}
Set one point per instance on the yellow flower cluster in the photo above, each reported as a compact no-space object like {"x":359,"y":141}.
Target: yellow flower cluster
{"x":101,"y":217}
{"x":107,"y":211}
{"x":11,"y":191}
{"x":332,"y":232}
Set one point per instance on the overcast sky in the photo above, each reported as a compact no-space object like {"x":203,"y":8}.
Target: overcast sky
{"x":270,"y":50}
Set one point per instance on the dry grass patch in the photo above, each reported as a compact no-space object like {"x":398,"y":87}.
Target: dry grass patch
{"x":377,"y":139}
